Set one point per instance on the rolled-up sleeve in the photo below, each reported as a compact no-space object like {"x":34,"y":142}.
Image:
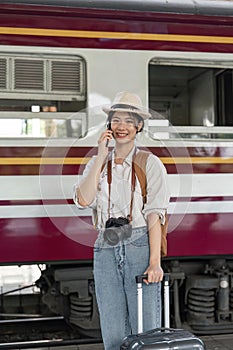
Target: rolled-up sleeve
{"x":158,"y":193}
{"x":80,"y":179}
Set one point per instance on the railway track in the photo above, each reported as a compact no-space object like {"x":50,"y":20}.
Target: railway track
{"x":76,"y":344}
{"x":43,"y":333}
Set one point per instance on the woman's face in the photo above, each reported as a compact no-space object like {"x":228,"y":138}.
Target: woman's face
{"x":124,"y":127}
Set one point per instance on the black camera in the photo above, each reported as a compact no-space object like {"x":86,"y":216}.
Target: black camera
{"x":117,"y":229}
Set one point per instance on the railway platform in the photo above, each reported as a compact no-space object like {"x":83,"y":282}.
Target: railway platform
{"x":212,"y":342}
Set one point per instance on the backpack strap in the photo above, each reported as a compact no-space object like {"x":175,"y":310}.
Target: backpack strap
{"x":139,"y":164}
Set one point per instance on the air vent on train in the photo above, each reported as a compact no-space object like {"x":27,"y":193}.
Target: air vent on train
{"x":29,"y":75}
{"x":3,"y":73}
{"x":66,"y":76}
{"x":47,"y":76}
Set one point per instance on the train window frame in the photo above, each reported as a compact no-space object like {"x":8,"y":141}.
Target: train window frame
{"x":60,"y":112}
{"x":161,"y":125}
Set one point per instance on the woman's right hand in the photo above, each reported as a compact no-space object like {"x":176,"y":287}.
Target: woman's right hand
{"x":102,"y":142}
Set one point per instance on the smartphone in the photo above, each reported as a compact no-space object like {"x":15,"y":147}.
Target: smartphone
{"x":109,"y":128}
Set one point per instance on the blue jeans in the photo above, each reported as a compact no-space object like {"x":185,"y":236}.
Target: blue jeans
{"x":115,"y":269}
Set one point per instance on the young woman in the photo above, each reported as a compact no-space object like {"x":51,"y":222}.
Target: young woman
{"x":133,"y":248}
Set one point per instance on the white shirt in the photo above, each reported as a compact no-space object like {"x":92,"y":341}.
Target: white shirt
{"x":157,"y":192}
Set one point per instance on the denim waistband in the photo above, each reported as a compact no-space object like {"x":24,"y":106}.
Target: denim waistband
{"x":137,"y":232}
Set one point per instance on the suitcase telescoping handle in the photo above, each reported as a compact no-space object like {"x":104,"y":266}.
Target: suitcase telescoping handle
{"x":139,"y":281}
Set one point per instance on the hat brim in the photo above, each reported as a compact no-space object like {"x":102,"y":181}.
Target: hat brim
{"x":143,"y":114}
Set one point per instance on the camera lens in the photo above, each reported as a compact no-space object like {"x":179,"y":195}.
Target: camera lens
{"x":111,"y":236}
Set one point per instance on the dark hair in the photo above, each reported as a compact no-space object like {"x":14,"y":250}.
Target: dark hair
{"x":131,"y":114}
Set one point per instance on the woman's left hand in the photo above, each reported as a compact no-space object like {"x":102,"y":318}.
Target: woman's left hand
{"x":154,"y":272}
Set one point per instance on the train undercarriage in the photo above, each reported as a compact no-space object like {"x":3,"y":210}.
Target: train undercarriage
{"x":201,"y":297}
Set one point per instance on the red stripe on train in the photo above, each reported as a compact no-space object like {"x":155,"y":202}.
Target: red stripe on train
{"x":69,"y":201}
{"x":72,"y":238}
{"x":199,"y":151}
{"x":82,"y":152}
{"x":13,"y":170}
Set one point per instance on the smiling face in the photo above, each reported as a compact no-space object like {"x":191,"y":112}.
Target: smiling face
{"x":124,"y":127}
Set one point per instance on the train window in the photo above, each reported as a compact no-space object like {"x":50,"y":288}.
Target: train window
{"x":42,"y":96}
{"x":224,"y":81}
{"x":65,"y":125}
{"x":196,"y":99}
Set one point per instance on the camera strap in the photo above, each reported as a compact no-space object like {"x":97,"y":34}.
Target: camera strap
{"x":133,"y":184}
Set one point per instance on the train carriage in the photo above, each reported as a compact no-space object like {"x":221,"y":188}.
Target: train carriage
{"x":60,"y":63}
